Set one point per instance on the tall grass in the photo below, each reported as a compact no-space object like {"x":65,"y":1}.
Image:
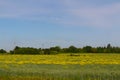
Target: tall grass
{"x":59,"y":72}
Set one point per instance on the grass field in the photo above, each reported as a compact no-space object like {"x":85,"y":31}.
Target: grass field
{"x":60,"y":67}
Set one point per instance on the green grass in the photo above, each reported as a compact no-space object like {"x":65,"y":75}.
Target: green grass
{"x":59,"y":72}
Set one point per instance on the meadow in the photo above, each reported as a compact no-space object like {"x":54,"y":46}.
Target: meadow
{"x":60,"y":67}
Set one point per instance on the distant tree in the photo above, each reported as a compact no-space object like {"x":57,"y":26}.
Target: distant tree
{"x":41,"y":51}
{"x":80,"y":50}
{"x":94,"y":50}
{"x":17,"y":47}
{"x":64,"y":50}
{"x":11,"y":52}
{"x":116,"y":49}
{"x":87,"y":49}
{"x":100,"y":50}
{"x":55,"y":49}
{"x":26,"y":50}
{"x":109,"y":48}
{"x":3,"y":51}
{"x":47,"y":51}
{"x":73,"y":49}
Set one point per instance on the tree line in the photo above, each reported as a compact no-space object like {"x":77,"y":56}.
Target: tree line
{"x":58,"y":49}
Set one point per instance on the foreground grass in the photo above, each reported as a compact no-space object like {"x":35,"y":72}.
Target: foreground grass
{"x":59,"y":72}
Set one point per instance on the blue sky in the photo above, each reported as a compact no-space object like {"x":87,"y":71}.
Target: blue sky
{"x":46,"y":23}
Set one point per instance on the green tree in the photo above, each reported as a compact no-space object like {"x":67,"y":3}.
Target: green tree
{"x":87,"y":49}
{"x":55,"y":49}
{"x":73,"y":49}
{"x":3,"y":51}
{"x":26,"y":50}
{"x":109,"y":48}
{"x":47,"y":51}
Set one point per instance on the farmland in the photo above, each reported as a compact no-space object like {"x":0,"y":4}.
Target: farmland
{"x":60,"y":67}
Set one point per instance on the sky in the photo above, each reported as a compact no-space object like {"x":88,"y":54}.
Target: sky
{"x":46,"y":23}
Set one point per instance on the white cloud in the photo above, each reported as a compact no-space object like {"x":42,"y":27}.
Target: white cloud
{"x":75,"y":12}
{"x":96,"y":16}
{"x":11,"y":9}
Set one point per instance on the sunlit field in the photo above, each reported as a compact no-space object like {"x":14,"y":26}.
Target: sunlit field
{"x":60,"y":67}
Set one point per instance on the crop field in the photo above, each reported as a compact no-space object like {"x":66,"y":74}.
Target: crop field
{"x":60,"y":67}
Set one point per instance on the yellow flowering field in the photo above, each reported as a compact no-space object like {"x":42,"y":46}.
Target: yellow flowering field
{"x":63,"y":59}
{"x":60,"y":67}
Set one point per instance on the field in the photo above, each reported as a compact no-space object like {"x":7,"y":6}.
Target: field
{"x":60,"y":67}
